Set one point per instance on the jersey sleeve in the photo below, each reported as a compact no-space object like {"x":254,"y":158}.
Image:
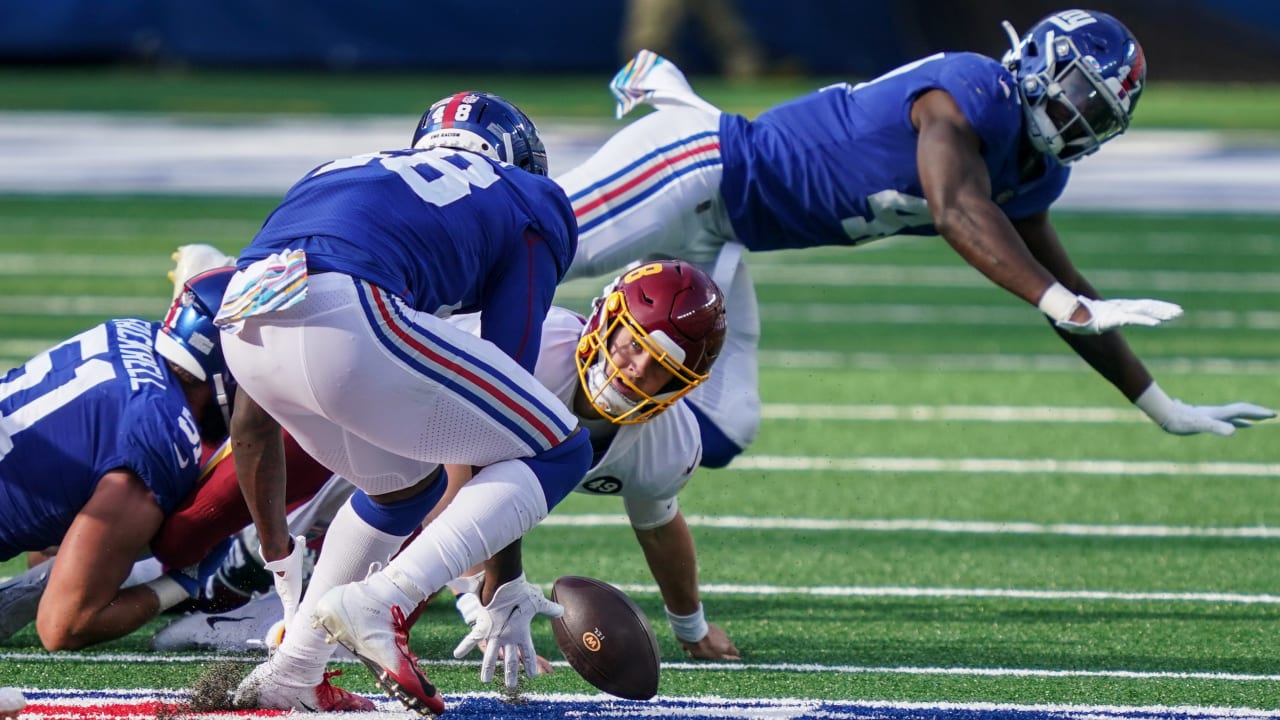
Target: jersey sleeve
{"x":987,"y":97}
{"x":158,"y":450}
{"x":520,"y":295}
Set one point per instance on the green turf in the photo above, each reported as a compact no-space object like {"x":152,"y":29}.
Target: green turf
{"x":115,"y":250}
{"x":1164,"y":105}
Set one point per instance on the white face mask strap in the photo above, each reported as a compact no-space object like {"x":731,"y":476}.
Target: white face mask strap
{"x":1015,"y":52}
{"x":220,"y":394}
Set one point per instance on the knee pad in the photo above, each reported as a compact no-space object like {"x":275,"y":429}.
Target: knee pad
{"x":560,"y":469}
{"x":402,"y":517}
{"x":717,"y":449}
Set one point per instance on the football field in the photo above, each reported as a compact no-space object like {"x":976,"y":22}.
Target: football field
{"x":946,"y":513}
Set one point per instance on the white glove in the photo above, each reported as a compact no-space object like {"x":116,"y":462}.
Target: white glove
{"x":287,"y":574}
{"x":467,"y":590}
{"x":503,"y":625}
{"x":1059,"y":303}
{"x":1179,"y":418}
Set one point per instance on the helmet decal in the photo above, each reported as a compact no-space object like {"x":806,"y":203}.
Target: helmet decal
{"x":483,"y":123}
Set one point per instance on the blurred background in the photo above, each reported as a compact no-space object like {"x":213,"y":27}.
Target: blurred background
{"x":1185,"y":40}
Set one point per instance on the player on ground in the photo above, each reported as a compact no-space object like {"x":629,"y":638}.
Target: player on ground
{"x":645,"y":448}
{"x":954,"y":144}
{"x":645,"y":438}
{"x":100,"y":438}
{"x":334,"y":327}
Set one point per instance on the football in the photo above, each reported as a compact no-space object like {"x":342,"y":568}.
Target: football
{"x":606,"y":638}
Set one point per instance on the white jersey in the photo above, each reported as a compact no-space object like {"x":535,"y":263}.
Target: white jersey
{"x":645,"y":464}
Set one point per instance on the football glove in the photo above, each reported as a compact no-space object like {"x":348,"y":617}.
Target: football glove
{"x":1107,"y":315}
{"x":1059,"y":303}
{"x":503,"y":627}
{"x":1179,"y":418}
{"x":287,"y":573}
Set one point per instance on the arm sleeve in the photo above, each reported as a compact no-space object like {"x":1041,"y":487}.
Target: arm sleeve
{"x":519,"y":298}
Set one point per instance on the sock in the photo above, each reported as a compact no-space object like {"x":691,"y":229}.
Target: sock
{"x":350,"y":547}
{"x":497,"y":507}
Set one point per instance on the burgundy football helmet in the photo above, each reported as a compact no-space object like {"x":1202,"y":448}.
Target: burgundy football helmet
{"x":676,"y":313}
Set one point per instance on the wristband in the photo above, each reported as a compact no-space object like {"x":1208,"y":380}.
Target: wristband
{"x":1155,"y":403}
{"x":1058,"y":302}
{"x":688,"y":628}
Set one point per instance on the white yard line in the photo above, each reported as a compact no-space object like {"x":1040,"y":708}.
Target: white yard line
{"x":165,"y":658}
{"x":984,"y":466}
{"x":958,"y":527}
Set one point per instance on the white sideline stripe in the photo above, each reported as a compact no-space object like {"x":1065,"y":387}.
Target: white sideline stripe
{"x":789,"y":463}
{"x":842,"y":314}
{"x":955,"y":593}
{"x":982,"y":315}
{"x":952,"y":413}
{"x":60,"y":305}
{"x":842,"y":275}
{"x":806,"y":274}
{"x":1058,"y":363}
{"x":960,"y":527}
{"x":19,"y":349}
{"x":165,"y":658}
{"x":84,"y":265}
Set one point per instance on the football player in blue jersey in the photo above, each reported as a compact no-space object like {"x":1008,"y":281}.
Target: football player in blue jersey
{"x":100,"y":438}
{"x":955,"y":144}
{"x":334,"y":326}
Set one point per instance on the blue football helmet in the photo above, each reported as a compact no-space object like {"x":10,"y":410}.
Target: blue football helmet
{"x":189,"y":339}
{"x":483,"y":123}
{"x":1079,"y":74}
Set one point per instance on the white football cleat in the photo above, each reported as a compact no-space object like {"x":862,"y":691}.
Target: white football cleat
{"x":378,"y":635}
{"x":191,"y":260}
{"x":650,"y":78}
{"x":264,"y":688}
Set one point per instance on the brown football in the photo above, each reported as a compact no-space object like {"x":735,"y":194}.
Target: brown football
{"x":606,"y":638}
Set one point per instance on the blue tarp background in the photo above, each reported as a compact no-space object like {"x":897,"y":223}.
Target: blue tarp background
{"x":1192,"y":39}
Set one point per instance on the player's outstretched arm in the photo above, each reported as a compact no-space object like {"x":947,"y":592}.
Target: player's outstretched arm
{"x":672,"y":558}
{"x":1110,"y":355}
{"x":958,"y":188}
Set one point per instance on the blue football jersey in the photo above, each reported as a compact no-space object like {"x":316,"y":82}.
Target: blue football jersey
{"x":100,"y":401}
{"x":838,"y":166}
{"x":447,"y":231}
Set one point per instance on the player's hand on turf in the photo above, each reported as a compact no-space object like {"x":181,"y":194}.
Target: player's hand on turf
{"x":286,"y":573}
{"x":715,"y":646}
{"x":1107,"y":315}
{"x":503,"y":628}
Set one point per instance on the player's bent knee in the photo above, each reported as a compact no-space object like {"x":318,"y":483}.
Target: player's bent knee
{"x":403,"y":516}
{"x":560,"y":469}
